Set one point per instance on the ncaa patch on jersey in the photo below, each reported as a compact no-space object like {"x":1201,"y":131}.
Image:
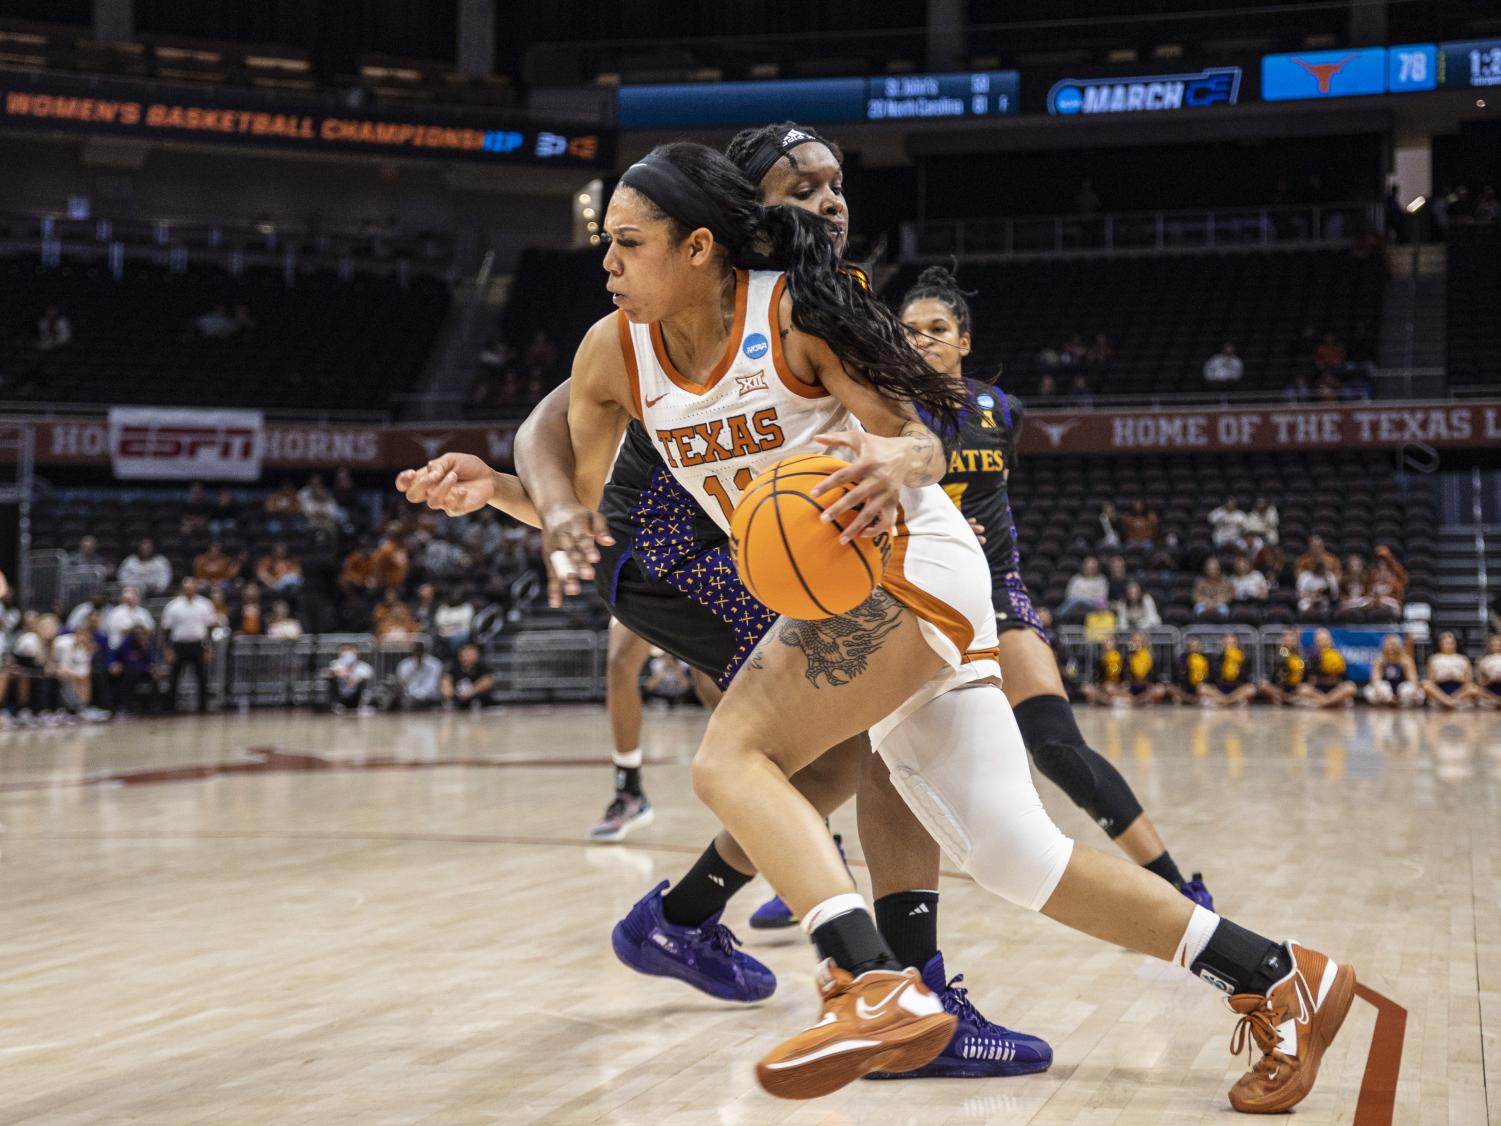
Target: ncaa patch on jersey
{"x":755,"y":346}
{"x":987,"y":402}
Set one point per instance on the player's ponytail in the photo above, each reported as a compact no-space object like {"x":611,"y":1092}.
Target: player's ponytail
{"x":695,"y":186}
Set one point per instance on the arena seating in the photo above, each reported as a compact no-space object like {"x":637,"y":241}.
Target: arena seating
{"x":1354,"y":500}
{"x":323,"y":343}
{"x":1474,"y":296}
{"x":1165,"y":315}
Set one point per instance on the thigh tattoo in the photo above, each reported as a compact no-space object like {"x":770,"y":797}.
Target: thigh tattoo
{"x":839,"y":649}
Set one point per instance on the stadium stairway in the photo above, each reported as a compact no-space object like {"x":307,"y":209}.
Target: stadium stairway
{"x":1458,"y":599}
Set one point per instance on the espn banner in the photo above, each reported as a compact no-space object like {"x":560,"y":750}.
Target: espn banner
{"x":154,"y":444}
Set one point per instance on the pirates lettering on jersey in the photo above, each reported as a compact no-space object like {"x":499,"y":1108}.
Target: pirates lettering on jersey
{"x":720,"y":439}
{"x":979,"y":457}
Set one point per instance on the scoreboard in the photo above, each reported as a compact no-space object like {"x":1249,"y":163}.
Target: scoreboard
{"x":1474,"y":62}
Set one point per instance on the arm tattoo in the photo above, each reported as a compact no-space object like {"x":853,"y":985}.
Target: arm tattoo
{"x":924,"y":442}
{"x":839,"y":649}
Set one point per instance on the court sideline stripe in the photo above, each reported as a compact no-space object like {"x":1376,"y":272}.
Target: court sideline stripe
{"x":1378,"y":1086}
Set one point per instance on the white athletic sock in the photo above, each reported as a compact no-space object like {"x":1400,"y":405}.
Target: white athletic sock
{"x":627,"y":759}
{"x":831,"y":908}
{"x":1196,"y":936}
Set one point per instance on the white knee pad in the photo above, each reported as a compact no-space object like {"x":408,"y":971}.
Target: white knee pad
{"x":1379,"y":692}
{"x":960,"y":765}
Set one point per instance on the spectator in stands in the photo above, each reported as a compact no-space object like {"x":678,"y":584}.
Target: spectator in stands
{"x":1116,"y":578}
{"x":125,"y":616}
{"x":483,"y":534}
{"x":1125,"y":678}
{"x":215,"y":568}
{"x":1289,"y":670}
{"x":87,"y":554}
{"x":390,"y":559}
{"x":667,"y":679}
{"x":1110,"y":528}
{"x":31,"y":666}
{"x":225,"y":516}
{"x":452,"y":620}
{"x":467,"y":680}
{"x":1386,"y":586}
{"x":1212,"y":593}
{"x":393,"y":618}
{"x":1047,"y":386}
{"x":1354,"y":598}
{"x":1330,"y":354}
{"x":1087,"y":590}
{"x":1248,"y":590}
{"x":219,"y":599}
{"x":357,"y":576}
{"x":1262,"y":528}
{"x":1228,"y":684}
{"x":1450,"y":683}
{"x":250,"y":618}
{"x":540,"y":358}
{"x":216,"y":324}
{"x":283,"y":624}
{"x":278,"y":571}
{"x":1318,"y":556}
{"x":146,"y":569}
{"x":1224,"y":366}
{"x":187,"y":624}
{"x":1227,"y":526}
{"x":97,"y":602}
{"x":1101,"y":353}
{"x":1394,"y":677}
{"x":1140,"y":526}
{"x":135,"y":679}
{"x":1086,"y":199}
{"x":425,"y":608}
{"x":1328,"y":684}
{"x":53,"y":331}
{"x":419,"y":681}
{"x":1488,"y":673}
{"x":1079,"y":394}
{"x":347,"y":496}
{"x":196,"y":509}
{"x":442,"y":558}
{"x":283,"y":509}
{"x":1317,"y":591}
{"x":317,"y":505}
{"x":349,"y":679}
{"x":1136,"y":609}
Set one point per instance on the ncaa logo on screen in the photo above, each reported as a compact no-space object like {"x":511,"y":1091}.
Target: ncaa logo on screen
{"x":755,"y":346}
{"x":1146,"y":94}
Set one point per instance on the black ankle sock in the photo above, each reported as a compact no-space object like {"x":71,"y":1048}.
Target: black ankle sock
{"x":908,"y":921}
{"x":1163,"y":866}
{"x":704,"y":890}
{"x":628,"y":779}
{"x":852,"y":941}
{"x":1241,"y":961}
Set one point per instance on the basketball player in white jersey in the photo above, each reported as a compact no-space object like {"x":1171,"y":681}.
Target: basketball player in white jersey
{"x":915,"y":664}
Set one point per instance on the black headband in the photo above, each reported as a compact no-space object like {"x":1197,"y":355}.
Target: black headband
{"x":675,"y":192}
{"x":772,"y":149}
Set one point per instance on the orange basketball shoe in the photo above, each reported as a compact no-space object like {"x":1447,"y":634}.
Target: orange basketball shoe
{"x":1292,"y":1025}
{"x":879,"y":1021}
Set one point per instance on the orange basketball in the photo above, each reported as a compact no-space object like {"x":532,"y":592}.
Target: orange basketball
{"x":789,"y":559}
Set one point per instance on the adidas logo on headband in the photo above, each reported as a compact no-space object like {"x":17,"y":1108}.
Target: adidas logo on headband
{"x":794,"y":137}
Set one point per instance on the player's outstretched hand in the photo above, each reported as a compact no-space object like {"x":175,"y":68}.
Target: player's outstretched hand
{"x":570,"y":533}
{"x":877,"y":472}
{"x":454,"y":483}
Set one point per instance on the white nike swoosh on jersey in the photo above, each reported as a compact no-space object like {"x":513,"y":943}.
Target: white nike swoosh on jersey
{"x":827,"y":1050}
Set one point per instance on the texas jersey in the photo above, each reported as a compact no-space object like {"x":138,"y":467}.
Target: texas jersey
{"x":716,"y":436}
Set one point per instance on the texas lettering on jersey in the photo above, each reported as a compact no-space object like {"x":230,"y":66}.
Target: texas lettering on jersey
{"x":720,"y":439}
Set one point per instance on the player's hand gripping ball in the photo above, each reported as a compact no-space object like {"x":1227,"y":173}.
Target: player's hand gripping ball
{"x":790,"y":559}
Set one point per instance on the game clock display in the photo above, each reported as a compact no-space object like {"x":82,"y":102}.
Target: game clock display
{"x":1474,"y":62}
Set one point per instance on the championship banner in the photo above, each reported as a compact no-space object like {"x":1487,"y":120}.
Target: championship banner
{"x":156,"y":444}
{"x":1286,"y":427}
{"x":162,"y":111}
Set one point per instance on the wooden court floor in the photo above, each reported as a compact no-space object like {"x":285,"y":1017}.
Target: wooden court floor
{"x":285,"y":918}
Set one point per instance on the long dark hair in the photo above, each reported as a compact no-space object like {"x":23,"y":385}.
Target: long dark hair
{"x":827,"y":301}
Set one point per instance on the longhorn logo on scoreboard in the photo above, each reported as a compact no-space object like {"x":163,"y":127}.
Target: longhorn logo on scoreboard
{"x":218,"y":445}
